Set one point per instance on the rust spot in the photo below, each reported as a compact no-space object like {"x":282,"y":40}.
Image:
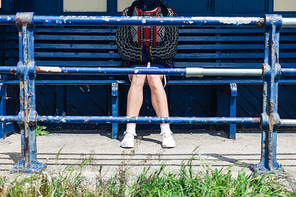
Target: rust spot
{"x":276,"y":58}
{"x":272,"y":43}
{"x":260,"y":23}
{"x":13,"y":72}
{"x":23,"y":152}
{"x":263,"y":94}
{"x":263,"y":67}
{"x":37,"y":69}
{"x":26,"y":144}
{"x":257,"y":120}
{"x":21,"y":19}
{"x":270,"y":107}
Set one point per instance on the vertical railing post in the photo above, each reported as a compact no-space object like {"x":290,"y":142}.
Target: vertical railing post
{"x":114,"y":95}
{"x":27,"y":114}
{"x":270,"y":117}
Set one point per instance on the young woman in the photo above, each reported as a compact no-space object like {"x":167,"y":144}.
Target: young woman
{"x":145,"y":45}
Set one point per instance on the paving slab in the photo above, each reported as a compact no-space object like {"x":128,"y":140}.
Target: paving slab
{"x":209,"y":148}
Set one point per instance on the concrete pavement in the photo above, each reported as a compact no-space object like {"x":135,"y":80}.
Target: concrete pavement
{"x":207,"y":147}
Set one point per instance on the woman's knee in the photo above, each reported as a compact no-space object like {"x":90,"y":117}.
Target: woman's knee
{"x":138,"y":80}
{"x":154,"y":80}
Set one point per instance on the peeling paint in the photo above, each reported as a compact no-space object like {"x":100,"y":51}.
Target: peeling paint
{"x":47,"y":69}
{"x":13,"y":72}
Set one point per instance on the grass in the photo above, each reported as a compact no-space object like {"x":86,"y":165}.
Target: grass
{"x":187,"y":182}
{"x":41,"y":130}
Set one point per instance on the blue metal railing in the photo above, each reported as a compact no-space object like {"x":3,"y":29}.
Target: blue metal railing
{"x":26,"y":70}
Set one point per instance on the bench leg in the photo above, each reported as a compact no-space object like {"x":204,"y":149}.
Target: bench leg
{"x":232,"y":109}
{"x":2,"y":110}
{"x":114,"y":96}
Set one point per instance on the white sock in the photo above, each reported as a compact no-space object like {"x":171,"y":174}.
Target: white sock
{"x":131,"y":128}
{"x":165,"y":128}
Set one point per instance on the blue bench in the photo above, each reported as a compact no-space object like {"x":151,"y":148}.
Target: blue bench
{"x":95,"y":47}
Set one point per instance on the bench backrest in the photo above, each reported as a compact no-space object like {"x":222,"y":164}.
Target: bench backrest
{"x":197,"y":47}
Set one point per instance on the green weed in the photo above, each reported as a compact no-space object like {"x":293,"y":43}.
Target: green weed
{"x":186,"y":182}
{"x":40,"y":130}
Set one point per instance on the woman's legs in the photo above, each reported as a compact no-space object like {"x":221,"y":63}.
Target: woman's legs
{"x":134,"y":104}
{"x":160,"y":105}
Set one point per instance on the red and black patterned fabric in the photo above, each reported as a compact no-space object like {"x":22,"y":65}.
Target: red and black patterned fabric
{"x":147,"y":43}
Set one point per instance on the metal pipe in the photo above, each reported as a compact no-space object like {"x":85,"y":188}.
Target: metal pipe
{"x":149,"y":21}
{"x":288,"y":122}
{"x":123,"y":119}
{"x":7,"y":19}
{"x":107,"y":20}
{"x":108,"y":71}
{"x":9,"y":118}
{"x":289,"y":23}
{"x":190,"y":72}
{"x":8,"y":69}
{"x":288,"y":71}
{"x":222,"y":72}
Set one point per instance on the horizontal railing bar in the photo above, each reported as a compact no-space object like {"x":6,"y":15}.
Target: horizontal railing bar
{"x":288,"y":122}
{"x":108,"y":71}
{"x":143,"y":70}
{"x":8,"y":69}
{"x":189,"y":72}
{"x":147,"y":21}
{"x":288,"y":22}
{"x":149,"y":119}
{"x":222,"y":72}
{"x":69,"y":82}
{"x":177,"y":120}
{"x":9,"y":118}
{"x":199,"y":72}
{"x":7,"y":19}
{"x":288,"y":71}
{"x":170,"y":82}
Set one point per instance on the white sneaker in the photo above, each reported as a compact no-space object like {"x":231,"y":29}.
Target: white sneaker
{"x":128,"y":140}
{"x":168,"y":141}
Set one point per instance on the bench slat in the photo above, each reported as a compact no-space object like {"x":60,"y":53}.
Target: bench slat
{"x":177,"y":64}
{"x":66,"y":37}
{"x":66,"y":30}
{"x":181,"y":30}
{"x":75,"y":46}
{"x":178,"y":55}
{"x":180,"y":46}
{"x":75,"y":30}
{"x":181,"y":38}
